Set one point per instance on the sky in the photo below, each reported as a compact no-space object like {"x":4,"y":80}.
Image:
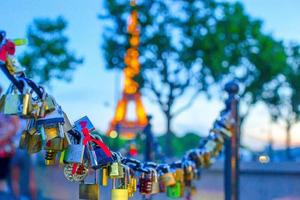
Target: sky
{"x":94,"y":90}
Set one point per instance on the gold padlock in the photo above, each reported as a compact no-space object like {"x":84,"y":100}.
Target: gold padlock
{"x":207,"y":159}
{"x":168,"y":179}
{"x":26,"y":101}
{"x":34,"y":143}
{"x":188,"y":172}
{"x":89,"y":191}
{"x":51,"y":132}
{"x":128,"y":184}
{"x":50,"y":157}
{"x":23,"y":140}
{"x":116,"y":170}
{"x":55,"y":144}
{"x":133,"y":183}
{"x":47,"y":104}
{"x":104,"y":176}
{"x":119,"y":192}
{"x":132,"y":187}
{"x":13,"y":65}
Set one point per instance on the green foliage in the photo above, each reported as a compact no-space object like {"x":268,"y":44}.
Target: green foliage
{"x":193,"y":45}
{"x":114,"y":144}
{"x":47,"y":56}
{"x":180,"y":145}
{"x":285,"y":102}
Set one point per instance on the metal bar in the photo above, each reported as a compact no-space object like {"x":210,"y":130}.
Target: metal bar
{"x":227,"y":170}
{"x":231,"y":163}
{"x":12,"y":79}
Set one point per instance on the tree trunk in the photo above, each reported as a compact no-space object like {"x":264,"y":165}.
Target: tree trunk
{"x":288,"y":141}
{"x":169,"y":134}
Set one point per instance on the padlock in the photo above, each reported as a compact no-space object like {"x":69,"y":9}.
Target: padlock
{"x":23,"y":144}
{"x":97,"y":155}
{"x":167,"y":178}
{"x":132,"y":185}
{"x":92,"y":156}
{"x":47,"y":104}
{"x":75,"y":152}
{"x":145,"y":182}
{"x":174,"y":191}
{"x":12,"y":103}
{"x":50,"y":157}
{"x":50,"y":132}
{"x":179,"y":177}
{"x":119,"y":191}
{"x":101,"y":157}
{"x":205,"y":157}
{"x":104,"y":176}
{"x":128,"y":184}
{"x":155,"y":183}
{"x":75,"y":172}
{"x":13,"y":65}
{"x":34,"y":143}
{"x":26,"y":100}
{"x":32,"y":137}
{"x":52,"y":127}
{"x":219,"y":142}
{"x":67,"y":124}
{"x":116,"y":170}
{"x":196,"y":156}
{"x":88,"y":124}
{"x":2,"y":103}
{"x":55,"y":144}
{"x":188,"y":168}
{"x":23,"y":140}
{"x":53,"y":119}
{"x":89,"y":191}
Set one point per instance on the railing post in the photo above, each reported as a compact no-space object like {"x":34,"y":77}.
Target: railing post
{"x":231,"y":164}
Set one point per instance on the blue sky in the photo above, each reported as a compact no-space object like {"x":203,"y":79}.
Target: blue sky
{"x":93,"y":89}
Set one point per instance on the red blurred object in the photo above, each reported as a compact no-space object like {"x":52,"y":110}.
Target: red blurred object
{"x":133,"y":151}
{"x":8,"y":48}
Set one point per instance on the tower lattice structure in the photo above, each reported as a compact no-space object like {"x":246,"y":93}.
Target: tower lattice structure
{"x":127,"y":129}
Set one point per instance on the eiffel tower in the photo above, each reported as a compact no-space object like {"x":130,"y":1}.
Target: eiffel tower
{"x":127,"y":129}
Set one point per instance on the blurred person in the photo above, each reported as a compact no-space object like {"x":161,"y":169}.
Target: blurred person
{"x":8,"y":128}
{"x":22,"y":180}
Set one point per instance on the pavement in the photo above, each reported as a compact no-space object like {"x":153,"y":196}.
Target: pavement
{"x":52,"y":185}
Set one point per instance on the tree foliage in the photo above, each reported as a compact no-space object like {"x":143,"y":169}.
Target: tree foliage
{"x":47,"y":56}
{"x":188,"y":46}
{"x":284,"y":104}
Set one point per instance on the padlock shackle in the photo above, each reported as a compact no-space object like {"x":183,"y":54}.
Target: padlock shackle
{"x":35,"y":88}
{"x":176,"y":164}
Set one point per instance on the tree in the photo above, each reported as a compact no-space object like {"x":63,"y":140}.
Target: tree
{"x":186,"y":47}
{"x":285,"y":102}
{"x":47,"y":55}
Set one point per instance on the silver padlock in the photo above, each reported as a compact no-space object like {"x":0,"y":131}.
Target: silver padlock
{"x":75,"y":152}
{"x":92,"y":156}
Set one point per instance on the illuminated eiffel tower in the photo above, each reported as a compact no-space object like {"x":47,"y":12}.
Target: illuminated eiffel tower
{"x":127,"y":129}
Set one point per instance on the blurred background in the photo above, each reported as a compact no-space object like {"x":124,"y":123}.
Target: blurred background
{"x":188,"y":50}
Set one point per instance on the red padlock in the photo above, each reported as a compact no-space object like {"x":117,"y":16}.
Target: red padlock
{"x":145,"y":183}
